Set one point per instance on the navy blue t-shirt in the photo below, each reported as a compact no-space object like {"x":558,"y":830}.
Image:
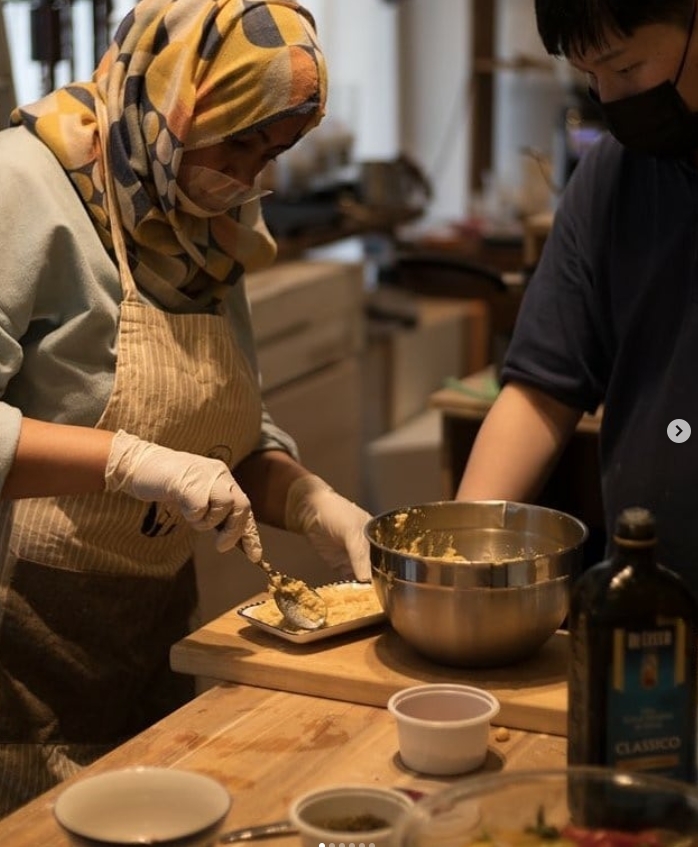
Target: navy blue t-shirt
{"x":611,"y":316}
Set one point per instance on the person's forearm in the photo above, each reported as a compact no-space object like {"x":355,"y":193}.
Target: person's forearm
{"x":55,"y":459}
{"x":265,"y":477}
{"x":517,"y":446}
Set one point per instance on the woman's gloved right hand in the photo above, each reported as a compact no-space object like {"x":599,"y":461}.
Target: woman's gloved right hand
{"x":202,"y":489}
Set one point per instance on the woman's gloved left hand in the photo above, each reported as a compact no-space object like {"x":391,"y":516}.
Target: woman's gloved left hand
{"x":333,"y":525}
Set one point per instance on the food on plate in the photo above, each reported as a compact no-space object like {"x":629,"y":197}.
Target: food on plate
{"x":306,"y":604}
{"x":345,"y":602}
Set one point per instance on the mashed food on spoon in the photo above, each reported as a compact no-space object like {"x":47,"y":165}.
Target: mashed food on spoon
{"x":344,"y":603}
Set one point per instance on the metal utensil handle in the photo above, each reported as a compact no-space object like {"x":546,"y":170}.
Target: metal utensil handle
{"x":285,"y":827}
{"x":250,"y":833}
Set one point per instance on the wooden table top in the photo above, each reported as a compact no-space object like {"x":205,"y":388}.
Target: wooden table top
{"x":267,"y":747}
{"x":368,"y":666}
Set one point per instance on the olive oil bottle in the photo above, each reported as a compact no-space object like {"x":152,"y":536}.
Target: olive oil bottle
{"x":633,"y":631}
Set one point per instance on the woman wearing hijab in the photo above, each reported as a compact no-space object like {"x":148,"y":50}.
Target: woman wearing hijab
{"x":127,"y":369}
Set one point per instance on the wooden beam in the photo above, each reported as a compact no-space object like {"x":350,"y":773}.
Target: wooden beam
{"x":482,"y":89}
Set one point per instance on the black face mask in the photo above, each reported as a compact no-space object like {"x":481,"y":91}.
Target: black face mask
{"x":656,"y":121}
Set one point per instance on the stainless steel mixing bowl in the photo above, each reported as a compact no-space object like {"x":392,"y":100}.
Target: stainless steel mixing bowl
{"x":475,"y":584}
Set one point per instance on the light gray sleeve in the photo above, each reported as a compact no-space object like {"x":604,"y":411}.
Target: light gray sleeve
{"x":21,"y":256}
{"x":59,"y":297}
{"x":10,"y":425}
{"x":272,"y":437}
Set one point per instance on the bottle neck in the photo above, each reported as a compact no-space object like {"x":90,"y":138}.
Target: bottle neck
{"x":640,"y":555}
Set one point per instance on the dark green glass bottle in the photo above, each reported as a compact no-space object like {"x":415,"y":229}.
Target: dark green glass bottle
{"x":633,"y":672}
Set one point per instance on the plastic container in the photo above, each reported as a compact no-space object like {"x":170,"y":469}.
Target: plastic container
{"x":335,"y":815}
{"x":443,"y":729}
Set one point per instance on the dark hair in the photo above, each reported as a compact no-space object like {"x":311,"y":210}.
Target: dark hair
{"x":574,"y":26}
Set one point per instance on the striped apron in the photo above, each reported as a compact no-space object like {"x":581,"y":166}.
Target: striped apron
{"x":100,"y":586}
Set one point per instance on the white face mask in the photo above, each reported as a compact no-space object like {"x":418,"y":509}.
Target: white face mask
{"x":205,"y":192}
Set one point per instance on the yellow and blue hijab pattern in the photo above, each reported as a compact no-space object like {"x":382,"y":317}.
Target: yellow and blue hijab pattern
{"x":181,"y":74}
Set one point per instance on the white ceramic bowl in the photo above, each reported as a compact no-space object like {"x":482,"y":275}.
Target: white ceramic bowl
{"x":443,"y":729}
{"x":143,"y":805}
{"x":334,"y":815}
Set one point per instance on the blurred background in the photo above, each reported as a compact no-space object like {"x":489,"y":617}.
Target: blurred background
{"x":408,"y":224}
{"x":463,"y":87}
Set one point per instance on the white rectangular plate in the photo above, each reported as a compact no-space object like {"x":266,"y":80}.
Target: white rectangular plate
{"x":307,"y":636}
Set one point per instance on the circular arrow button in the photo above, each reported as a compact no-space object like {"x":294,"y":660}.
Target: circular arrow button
{"x":679,"y":431}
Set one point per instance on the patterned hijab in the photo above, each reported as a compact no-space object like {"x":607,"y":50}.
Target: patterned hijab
{"x":180,"y":74}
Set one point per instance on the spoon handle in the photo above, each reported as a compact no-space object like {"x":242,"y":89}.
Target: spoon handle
{"x":266,"y":567}
{"x":250,"y":833}
{"x":261,"y":563}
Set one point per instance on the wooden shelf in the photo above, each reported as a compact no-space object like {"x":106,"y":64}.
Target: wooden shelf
{"x":515,"y":63}
{"x":482,"y":44}
{"x":359,"y":221}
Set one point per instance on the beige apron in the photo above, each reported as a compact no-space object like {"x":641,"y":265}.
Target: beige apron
{"x":104,"y":584}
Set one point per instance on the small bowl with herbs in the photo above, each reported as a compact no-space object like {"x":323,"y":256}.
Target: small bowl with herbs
{"x":578,"y":806}
{"x":349,"y":814}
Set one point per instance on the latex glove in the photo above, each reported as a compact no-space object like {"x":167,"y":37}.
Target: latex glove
{"x":202,"y":489}
{"x":333,"y":525}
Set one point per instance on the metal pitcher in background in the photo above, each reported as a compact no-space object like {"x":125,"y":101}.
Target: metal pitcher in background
{"x":397,"y":184}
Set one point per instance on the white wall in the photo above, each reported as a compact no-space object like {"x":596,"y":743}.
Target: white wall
{"x":435,"y":40}
{"x":399,"y":76}
{"x":435,"y":71}
{"x":26,"y":72}
{"x":359,"y":40}
{"x":7,"y":89}
{"x":528,"y":103}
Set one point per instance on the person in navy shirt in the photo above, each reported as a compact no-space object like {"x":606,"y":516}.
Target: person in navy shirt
{"x":610,"y":315}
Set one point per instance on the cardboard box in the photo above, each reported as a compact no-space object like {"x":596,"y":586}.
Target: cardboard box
{"x":323,"y":413}
{"x":305,"y":315}
{"x":404,"y":365}
{"x":403,"y":467}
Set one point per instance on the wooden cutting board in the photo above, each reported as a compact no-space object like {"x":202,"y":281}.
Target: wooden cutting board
{"x":367,"y":666}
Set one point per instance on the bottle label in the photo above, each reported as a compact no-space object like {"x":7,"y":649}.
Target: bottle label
{"x":648,"y":699}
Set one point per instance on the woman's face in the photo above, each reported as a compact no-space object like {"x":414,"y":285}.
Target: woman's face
{"x":243,"y":156}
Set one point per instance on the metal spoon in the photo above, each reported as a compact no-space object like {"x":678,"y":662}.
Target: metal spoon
{"x":265,"y":830}
{"x":285,"y":827}
{"x":300,"y":604}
